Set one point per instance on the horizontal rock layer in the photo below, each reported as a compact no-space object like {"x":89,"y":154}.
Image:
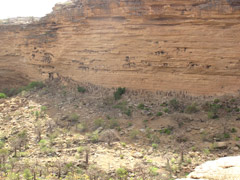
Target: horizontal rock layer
{"x":168,"y":45}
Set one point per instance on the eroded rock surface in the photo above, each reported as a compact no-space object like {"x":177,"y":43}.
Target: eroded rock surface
{"x":226,"y":168}
{"x":164,"y":45}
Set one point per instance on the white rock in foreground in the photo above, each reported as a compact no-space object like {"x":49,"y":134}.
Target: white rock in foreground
{"x":227,"y":168}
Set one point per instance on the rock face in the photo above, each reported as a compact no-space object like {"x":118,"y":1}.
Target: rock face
{"x":226,"y":168}
{"x":164,"y":45}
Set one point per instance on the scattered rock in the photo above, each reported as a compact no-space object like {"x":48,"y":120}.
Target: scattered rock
{"x":202,"y":130}
{"x":235,"y":148}
{"x":221,"y":145}
{"x":99,"y":130}
{"x":238,"y":144}
{"x":109,"y":135}
{"x":138,"y":155}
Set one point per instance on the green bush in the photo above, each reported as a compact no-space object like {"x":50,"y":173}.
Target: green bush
{"x":130,"y":124}
{"x":14,"y":91}
{"x":174,"y":104}
{"x":191,"y":109}
{"x":30,"y":86}
{"x":212,"y":109}
{"x":155,"y":146}
{"x":113,"y":124}
{"x":167,"y":131}
{"x":159,"y":114}
{"x":141,"y":106}
{"x":134,"y":134}
{"x":233,"y":130}
{"x":212,"y":115}
{"x":166,"y":110}
{"x":80,"y":149}
{"x":4,"y":153}
{"x":27,"y":174}
{"x":206,"y":151}
{"x":226,"y":135}
{"x":216,"y":101}
{"x":164,"y":104}
{"x":34,"y":84}
{"x":118,"y":93}
{"x":13,"y":176}
{"x":11,"y":92}
{"x":82,"y":127}
{"x":43,"y":108}
{"x":2,"y":95}
{"x":94,"y":137}
{"x":74,"y":118}
{"x":43,"y":144}
{"x":99,"y":123}
{"x":81,"y":89}
{"x":2,"y":144}
{"x":128,"y":112}
{"x":123,"y":144}
{"x":122,"y":173}
{"x":123,"y":106}
{"x":153,"y":171}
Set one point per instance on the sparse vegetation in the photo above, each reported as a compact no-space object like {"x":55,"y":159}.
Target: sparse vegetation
{"x":166,"y":110}
{"x":153,"y":171}
{"x":191,"y":109}
{"x":174,"y":103}
{"x":113,"y":123}
{"x":32,"y":85}
{"x":155,"y":146}
{"x":212,"y":115}
{"x":2,"y":95}
{"x":99,"y":123}
{"x":48,"y":134}
{"x":233,"y":130}
{"x":206,"y":151}
{"x":167,"y":131}
{"x":123,"y":106}
{"x":82,"y":127}
{"x":119,"y":92}
{"x":73,"y":118}
{"x":141,"y":106}
{"x":81,"y":89}
{"x":213,"y":109}
{"x":159,"y":114}
{"x":93,"y":137}
{"x":134,"y":134}
{"x":123,"y":144}
{"x":122,"y":173}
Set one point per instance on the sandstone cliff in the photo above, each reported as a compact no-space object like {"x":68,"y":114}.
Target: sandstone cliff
{"x":164,"y":45}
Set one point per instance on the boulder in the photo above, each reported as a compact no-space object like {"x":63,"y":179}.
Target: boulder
{"x":221,"y":145}
{"x":227,"y":168}
{"x":109,"y":135}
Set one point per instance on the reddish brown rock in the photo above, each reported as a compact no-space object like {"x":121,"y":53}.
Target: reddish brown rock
{"x":164,"y":45}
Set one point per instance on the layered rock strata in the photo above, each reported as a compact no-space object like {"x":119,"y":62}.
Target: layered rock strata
{"x":167,"y":45}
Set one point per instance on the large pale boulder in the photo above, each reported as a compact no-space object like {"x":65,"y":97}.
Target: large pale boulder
{"x":227,"y":168}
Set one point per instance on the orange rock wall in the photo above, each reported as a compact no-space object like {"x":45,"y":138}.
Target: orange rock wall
{"x":167,"y":45}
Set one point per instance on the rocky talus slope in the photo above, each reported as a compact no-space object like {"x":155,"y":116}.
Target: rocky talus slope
{"x":169,"y":45}
{"x":50,"y":130}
